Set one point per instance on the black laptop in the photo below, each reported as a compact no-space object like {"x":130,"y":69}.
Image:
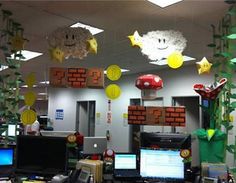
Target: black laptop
{"x":125,"y":166}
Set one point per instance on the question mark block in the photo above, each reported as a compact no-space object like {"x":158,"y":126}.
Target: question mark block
{"x":58,"y":77}
{"x":95,"y":78}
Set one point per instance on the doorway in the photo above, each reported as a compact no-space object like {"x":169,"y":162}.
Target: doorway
{"x":85,"y":118}
{"x":193,"y":121}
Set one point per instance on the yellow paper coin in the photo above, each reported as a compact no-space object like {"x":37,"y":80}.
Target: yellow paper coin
{"x":113,"y":91}
{"x":185,"y":153}
{"x":175,"y":60}
{"x":30,"y":98}
{"x":113,"y":72}
{"x":28,"y":117}
{"x":30,"y":80}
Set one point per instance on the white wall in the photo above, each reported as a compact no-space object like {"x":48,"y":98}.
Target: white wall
{"x":177,"y":82}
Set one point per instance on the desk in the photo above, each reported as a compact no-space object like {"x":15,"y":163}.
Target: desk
{"x":108,"y":178}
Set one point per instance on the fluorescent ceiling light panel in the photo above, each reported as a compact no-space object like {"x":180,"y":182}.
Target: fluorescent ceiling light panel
{"x":164,"y":61}
{"x":26,"y":86}
{"x":44,"y":82}
{"x":93,"y":30}
{"x":164,"y":3}
{"x":42,"y":93}
{"x":27,"y":55}
{"x":122,"y":70}
{"x":3,"y":67}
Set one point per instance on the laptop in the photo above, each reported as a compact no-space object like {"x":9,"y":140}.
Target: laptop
{"x":125,"y":166}
{"x":94,"y":145}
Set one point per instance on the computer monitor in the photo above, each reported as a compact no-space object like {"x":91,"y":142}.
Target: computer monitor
{"x":6,"y":157}
{"x":165,"y":140}
{"x":94,"y":145}
{"x":161,"y":164}
{"x":41,"y":155}
{"x":125,"y":161}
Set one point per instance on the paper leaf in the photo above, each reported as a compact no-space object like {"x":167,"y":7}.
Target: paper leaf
{"x":233,"y":96}
{"x":226,"y":74}
{"x":233,"y":29}
{"x":216,"y":65}
{"x":230,"y":127}
{"x":230,"y":148}
{"x":226,"y":54}
{"x":231,"y":36}
{"x":233,"y":105}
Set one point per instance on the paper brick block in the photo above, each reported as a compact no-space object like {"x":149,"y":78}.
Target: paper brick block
{"x":76,"y":79}
{"x":95,"y":78}
{"x":58,"y":77}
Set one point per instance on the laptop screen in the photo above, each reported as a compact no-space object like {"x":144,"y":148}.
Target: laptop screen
{"x":125,"y":161}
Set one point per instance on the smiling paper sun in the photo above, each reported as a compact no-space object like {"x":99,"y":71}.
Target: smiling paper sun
{"x":157,"y":45}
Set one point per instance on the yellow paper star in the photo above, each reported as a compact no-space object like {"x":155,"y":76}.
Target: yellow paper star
{"x":57,"y":54}
{"x":136,"y":39}
{"x":92,"y":45}
{"x":17,"y":43}
{"x":204,"y":66}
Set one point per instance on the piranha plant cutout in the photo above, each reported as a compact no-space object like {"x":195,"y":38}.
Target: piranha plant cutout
{"x":75,"y":42}
{"x":157,"y":45}
{"x":149,"y":84}
{"x":210,"y":92}
{"x":203,"y":66}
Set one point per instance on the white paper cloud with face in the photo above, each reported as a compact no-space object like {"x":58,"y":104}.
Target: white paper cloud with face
{"x":160,"y":44}
{"x":72,"y":41}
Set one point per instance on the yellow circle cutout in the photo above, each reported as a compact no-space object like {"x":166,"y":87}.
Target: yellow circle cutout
{"x":113,"y":91}
{"x":28,"y":117}
{"x":175,"y":60}
{"x":30,"y":80}
{"x":113,"y":72}
{"x":30,"y":98}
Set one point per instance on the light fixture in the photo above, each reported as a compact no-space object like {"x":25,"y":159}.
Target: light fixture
{"x":42,"y":93}
{"x":122,"y":70}
{"x":3,"y":67}
{"x":93,"y":30}
{"x":27,"y":55}
{"x":164,"y":3}
{"x":26,"y":86}
{"x":164,"y":61}
{"x":44,"y":82}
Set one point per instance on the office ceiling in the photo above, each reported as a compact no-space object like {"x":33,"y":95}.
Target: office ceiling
{"x":118,"y":18}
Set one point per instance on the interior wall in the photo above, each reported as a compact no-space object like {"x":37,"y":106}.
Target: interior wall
{"x":41,"y":107}
{"x":177,"y":82}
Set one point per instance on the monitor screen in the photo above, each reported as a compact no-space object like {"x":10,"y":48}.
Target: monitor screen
{"x":161,"y":164}
{"x":165,"y":140}
{"x":94,"y":145}
{"x":41,"y":155}
{"x":7,"y":156}
{"x":125,"y":161}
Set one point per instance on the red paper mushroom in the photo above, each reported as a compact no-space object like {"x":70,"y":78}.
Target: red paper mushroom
{"x":149,"y":84}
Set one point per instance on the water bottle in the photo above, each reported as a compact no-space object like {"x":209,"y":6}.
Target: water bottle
{"x":91,"y":180}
